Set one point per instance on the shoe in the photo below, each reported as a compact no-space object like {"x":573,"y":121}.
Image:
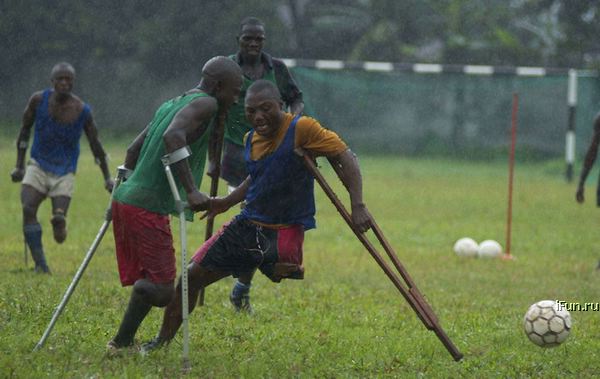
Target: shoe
{"x":59,"y":227}
{"x":241,"y":303}
{"x":42,"y":269}
{"x":151,"y":345}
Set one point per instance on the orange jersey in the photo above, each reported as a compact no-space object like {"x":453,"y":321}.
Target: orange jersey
{"x":310,"y":135}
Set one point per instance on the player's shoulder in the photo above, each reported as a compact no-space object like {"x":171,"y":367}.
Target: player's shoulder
{"x":307,"y":122}
{"x":278,"y":64}
{"x":203,"y":104}
{"x":201,"y":97}
{"x":36,"y":97}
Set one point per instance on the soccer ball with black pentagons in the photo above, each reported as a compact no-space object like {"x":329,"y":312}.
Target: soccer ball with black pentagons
{"x":547,"y":324}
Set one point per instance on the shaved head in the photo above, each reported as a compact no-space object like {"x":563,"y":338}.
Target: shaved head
{"x":250,"y":21}
{"x":266,"y":88}
{"x":222,"y":78}
{"x":62,"y":67}
{"x":221,"y":69}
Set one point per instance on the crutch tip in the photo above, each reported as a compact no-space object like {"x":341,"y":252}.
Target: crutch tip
{"x":186,"y":367}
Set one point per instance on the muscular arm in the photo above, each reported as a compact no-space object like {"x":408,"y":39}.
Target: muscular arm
{"x":133,"y":150}
{"x":97,"y":150}
{"x":188,"y":125}
{"x":590,"y":158}
{"x":290,"y":93}
{"x":23,"y":138}
{"x":215,"y":146}
{"x":239,"y":193}
{"x":220,"y":205}
{"x":346,"y":165}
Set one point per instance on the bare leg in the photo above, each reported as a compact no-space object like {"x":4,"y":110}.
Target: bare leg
{"x":30,"y":200}
{"x":145,"y":294}
{"x":32,"y":230}
{"x":60,"y":206}
{"x":198,"y":277}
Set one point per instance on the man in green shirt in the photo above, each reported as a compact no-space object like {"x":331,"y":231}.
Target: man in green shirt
{"x":142,"y":204}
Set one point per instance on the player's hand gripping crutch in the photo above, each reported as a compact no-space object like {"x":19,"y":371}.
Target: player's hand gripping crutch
{"x":122,"y":174}
{"x":180,"y":206}
{"x":408,"y":289}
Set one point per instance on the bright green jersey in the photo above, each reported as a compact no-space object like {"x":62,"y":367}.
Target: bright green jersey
{"x":148,"y":187}
{"x":236,"y":125}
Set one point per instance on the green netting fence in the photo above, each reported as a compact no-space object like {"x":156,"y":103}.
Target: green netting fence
{"x":409,"y":113}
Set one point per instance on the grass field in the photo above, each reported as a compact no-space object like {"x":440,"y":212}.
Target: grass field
{"x":345,"y":319}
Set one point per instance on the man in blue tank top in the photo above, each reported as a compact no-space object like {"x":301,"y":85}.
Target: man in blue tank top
{"x":279,"y":194}
{"x":59,"y":117}
{"x":255,"y":64}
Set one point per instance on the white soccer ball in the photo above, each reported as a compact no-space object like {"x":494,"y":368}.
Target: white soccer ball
{"x":489,"y":249}
{"x":547,"y":323}
{"x":466,"y":247}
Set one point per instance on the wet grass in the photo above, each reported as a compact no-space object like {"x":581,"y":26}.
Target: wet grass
{"x":345,"y":319}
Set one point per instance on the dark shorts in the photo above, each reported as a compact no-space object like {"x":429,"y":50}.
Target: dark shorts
{"x":144,"y":245}
{"x":233,"y":165}
{"x":241,"y":246}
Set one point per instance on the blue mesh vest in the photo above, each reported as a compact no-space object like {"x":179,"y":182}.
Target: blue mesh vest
{"x":282,"y":189}
{"x":56,"y":146}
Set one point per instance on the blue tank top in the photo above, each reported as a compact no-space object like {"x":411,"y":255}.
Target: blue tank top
{"x":282,"y":188}
{"x":55,"y":145}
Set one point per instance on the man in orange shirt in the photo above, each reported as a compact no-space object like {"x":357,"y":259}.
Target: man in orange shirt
{"x":279,"y":194}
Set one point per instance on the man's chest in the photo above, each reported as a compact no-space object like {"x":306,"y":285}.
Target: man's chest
{"x":66,"y":113}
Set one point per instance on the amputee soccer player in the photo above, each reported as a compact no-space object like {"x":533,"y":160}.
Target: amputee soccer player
{"x":279,"y":192}
{"x":59,"y":117}
{"x":142,"y":204}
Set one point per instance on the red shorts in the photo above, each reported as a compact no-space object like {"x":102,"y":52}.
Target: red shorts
{"x":144,"y":245}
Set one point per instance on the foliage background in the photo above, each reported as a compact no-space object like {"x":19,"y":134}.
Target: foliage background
{"x":131,"y":56}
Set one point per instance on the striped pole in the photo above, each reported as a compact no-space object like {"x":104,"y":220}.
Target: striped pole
{"x":430,"y":68}
{"x":570,"y":137}
{"x":511,"y":170}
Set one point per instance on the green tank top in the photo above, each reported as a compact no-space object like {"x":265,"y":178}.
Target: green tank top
{"x":236,"y":125}
{"x":148,"y":187}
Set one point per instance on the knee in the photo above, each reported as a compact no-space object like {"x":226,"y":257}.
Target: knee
{"x":159,"y":295}
{"x":29,"y":211}
{"x":164,"y":296}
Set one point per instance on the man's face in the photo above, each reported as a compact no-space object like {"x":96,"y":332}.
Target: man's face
{"x":62,"y":80}
{"x":229,"y":92}
{"x":264,"y":112}
{"x":252,"y":40}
